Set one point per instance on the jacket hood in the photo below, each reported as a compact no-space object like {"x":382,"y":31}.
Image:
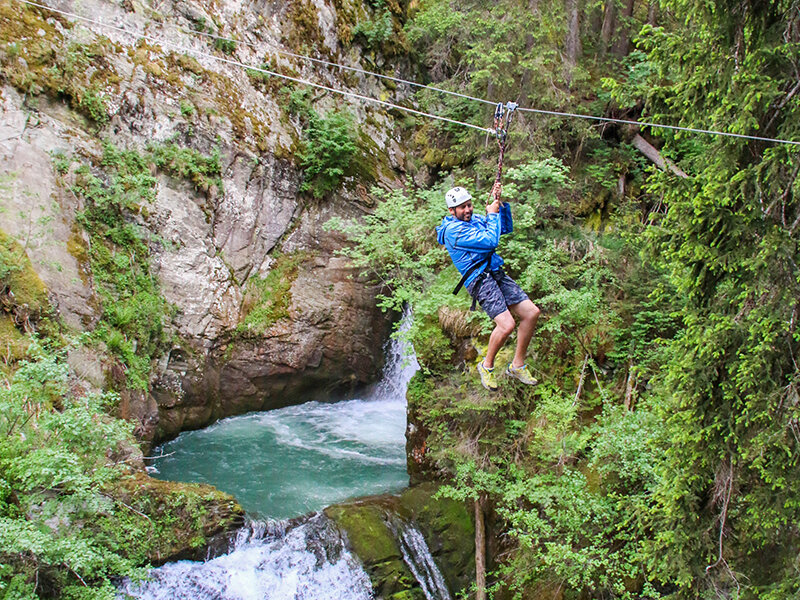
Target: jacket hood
{"x":441,"y":228}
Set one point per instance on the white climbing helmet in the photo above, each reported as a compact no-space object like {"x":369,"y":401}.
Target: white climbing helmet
{"x":456,"y":197}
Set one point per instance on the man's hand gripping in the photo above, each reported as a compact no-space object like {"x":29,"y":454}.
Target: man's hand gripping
{"x":494,"y":196}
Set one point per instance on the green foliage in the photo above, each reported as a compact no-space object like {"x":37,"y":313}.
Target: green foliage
{"x":187,"y":108}
{"x":134,"y":312}
{"x":729,"y":395}
{"x":74,"y":514}
{"x":377,"y":30}
{"x":203,"y":171}
{"x":329,"y":145}
{"x":676,"y":299}
{"x":10,"y":259}
{"x":563,"y":480}
{"x":56,"y":462}
{"x":505,"y":50}
{"x":226,"y":46}
{"x":93,"y":104}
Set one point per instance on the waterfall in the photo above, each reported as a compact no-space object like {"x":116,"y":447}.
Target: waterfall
{"x":268,"y":561}
{"x":418,"y":558}
{"x":401,"y":364}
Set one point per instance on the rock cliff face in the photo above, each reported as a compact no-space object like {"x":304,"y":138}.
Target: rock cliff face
{"x":224,"y":240}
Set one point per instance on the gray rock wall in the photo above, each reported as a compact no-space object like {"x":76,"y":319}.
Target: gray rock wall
{"x":212,"y":242}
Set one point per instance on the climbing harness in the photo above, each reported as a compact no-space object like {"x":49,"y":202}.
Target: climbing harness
{"x":482,"y":264}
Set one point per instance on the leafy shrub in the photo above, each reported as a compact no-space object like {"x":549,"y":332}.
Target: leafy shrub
{"x":134,"y":311}
{"x":203,"y":171}
{"x":56,"y":463}
{"x":375,"y":31}
{"x":75,"y":514}
{"x":328,"y":148}
{"x":225,"y":45}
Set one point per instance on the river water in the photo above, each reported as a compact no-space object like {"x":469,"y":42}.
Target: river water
{"x":286,"y":463}
{"x":295,"y":460}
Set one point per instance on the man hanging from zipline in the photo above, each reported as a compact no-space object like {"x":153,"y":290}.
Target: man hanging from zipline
{"x":471,"y":241}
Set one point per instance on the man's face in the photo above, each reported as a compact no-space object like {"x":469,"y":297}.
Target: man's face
{"x":462,"y":212}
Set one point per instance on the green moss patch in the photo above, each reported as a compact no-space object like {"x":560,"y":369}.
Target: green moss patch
{"x":19,"y":276}
{"x":13,"y":344}
{"x":80,"y":73}
{"x":181,"y":519}
{"x":267,"y":299}
{"x":304,"y":33}
{"x":448,"y":529}
{"x":374,"y":543}
{"x":445,"y":524}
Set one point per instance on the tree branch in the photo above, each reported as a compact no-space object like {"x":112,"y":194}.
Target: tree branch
{"x":652,"y":153}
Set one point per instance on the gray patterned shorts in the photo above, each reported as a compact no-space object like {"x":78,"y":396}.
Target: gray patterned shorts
{"x":495,"y":292}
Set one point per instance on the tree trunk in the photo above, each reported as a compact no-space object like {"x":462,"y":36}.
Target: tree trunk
{"x":480,"y":550}
{"x":652,"y":12}
{"x":609,"y":23}
{"x":573,"y":41}
{"x":622,"y":44}
{"x":629,"y":385}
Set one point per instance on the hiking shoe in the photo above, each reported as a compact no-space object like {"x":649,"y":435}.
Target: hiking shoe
{"x":522,"y":373}
{"x":488,"y":380}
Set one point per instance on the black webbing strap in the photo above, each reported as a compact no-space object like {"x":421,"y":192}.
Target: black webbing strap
{"x":484,"y":262}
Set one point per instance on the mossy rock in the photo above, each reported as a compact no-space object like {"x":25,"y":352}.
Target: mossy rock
{"x":449,"y":530}
{"x":434,"y":349}
{"x":446,"y":525}
{"x":183,"y":520}
{"x":18,"y":274}
{"x":267,"y":299}
{"x":372,"y":540}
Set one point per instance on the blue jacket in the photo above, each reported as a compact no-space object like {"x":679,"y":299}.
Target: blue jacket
{"x":470,"y":242}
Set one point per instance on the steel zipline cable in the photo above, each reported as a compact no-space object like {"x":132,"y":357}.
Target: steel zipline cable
{"x":236,"y":63}
{"x":396,"y":80}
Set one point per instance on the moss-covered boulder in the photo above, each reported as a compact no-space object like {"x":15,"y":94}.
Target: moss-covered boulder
{"x":370,"y":527}
{"x":449,"y":530}
{"x":23,"y":296}
{"x":371,"y":539}
{"x":184,"y":521}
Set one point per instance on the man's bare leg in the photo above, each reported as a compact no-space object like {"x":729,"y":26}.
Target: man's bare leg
{"x":528,"y":314}
{"x":504,"y":325}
